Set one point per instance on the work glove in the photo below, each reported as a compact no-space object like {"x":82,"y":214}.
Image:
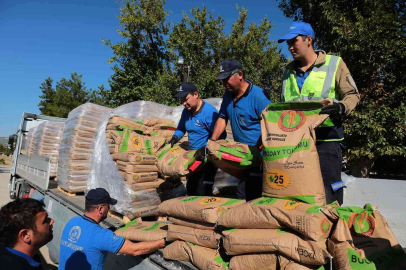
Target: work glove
{"x":201,"y":154}
{"x":173,"y":141}
{"x":335,"y":111}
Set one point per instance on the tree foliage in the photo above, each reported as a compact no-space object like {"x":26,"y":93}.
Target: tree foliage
{"x":145,"y":62}
{"x":67,"y":95}
{"x":370,"y":36}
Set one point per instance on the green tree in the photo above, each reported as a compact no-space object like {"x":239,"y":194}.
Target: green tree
{"x":370,"y":36}
{"x":149,"y":72}
{"x":141,"y":59}
{"x":67,"y":95}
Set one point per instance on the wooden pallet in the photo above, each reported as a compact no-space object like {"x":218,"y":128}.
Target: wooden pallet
{"x":69,"y":193}
{"x":121,"y":217}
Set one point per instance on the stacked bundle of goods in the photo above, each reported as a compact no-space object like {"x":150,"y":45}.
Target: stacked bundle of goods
{"x":77,"y":146}
{"x":30,"y":140}
{"x":47,"y":139}
{"x":133,"y":147}
{"x":194,"y":219}
{"x":274,"y":230}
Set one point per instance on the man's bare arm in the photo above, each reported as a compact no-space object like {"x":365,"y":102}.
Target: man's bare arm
{"x":141,"y":248}
{"x":219,"y":128}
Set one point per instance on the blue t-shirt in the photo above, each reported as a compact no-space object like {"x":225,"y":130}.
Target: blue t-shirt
{"x":301,"y":77}
{"x":244,"y":116}
{"x":84,"y":244}
{"x":198,"y":126}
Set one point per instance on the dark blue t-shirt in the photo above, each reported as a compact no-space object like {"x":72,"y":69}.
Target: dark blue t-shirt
{"x":198,"y":126}
{"x":84,"y":244}
{"x":244,"y":116}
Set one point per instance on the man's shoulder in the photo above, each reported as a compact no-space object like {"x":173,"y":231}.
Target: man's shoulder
{"x":209,"y":108}
{"x":13,"y":262}
{"x":257,"y":91}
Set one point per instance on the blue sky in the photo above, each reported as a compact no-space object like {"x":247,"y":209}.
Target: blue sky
{"x":41,"y":39}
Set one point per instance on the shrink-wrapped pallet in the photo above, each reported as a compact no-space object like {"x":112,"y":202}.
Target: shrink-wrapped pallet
{"x":77,"y":146}
{"x":46,"y":142}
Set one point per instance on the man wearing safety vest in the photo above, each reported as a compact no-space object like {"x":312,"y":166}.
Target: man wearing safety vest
{"x":314,"y":76}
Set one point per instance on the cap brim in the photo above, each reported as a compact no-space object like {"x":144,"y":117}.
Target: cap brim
{"x":113,"y":201}
{"x":287,"y":37}
{"x":182,"y":94}
{"x":223,"y":75}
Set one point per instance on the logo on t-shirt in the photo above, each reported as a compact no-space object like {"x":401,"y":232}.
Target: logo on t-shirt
{"x":197,"y":123}
{"x":74,"y":234}
{"x":242,"y":121}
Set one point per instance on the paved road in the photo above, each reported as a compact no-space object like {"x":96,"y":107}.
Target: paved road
{"x":4,"y":199}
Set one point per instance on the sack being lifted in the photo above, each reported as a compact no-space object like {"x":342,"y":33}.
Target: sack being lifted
{"x":291,"y":165}
{"x":233,"y":157}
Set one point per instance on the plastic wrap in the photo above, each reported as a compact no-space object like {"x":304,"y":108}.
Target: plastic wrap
{"x":46,"y":145}
{"x":77,"y":145}
{"x":104,"y":172}
{"x":30,"y":140}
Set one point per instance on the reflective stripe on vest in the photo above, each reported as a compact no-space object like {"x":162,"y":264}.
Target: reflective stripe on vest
{"x":320,"y":83}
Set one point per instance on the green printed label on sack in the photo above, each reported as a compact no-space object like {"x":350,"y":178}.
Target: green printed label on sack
{"x":220,"y":260}
{"x":152,"y":227}
{"x":130,"y":224}
{"x":282,"y":230}
{"x":190,"y":157}
{"x":191,"y":199}
{"x":313,"y":210}
{"x":230,"y":202}
{"x":147,"y":144}
{"x":278,"y":152}
{"x":325,"y":226}
{"x":290,"y":121}
{"x":172,"y":160}
{"x":266,"y":201}
{"x":209,"y":200}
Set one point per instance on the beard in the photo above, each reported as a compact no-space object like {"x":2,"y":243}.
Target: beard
{"x":42,"y":238}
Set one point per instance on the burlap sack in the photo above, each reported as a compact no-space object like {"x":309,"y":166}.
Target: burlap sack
{"x":150,"y":122}
{"x":147,"y":211}
{"x":133,"y":142}
{"x":145,"y":203}
{"x":141,"y":177}
{"x":284,"y":241}
{"x":198,"y":208}
{"x":110,"y":141}
{"x":79,"y":156}
{"x":291,"y":164}
{"x":286,"y":264}
{"x":272,"y":213}
{"x":117,"y":121}
{"x":204,"y":238}
{"x":122,"y":174}
{"x":135,"y":168}
{"x":266,"y":261}
{"x":145,"y":194}
{"x":201,"y":257}
{"x":135,"y":158}
{"x":160,"y":133}
{"x":192,"y":223}
{"x":175,"y":162}
{"x":362,"y":238}
{"x":177,"y":251}
{"x":233,"y":157}
{"x":145,"y":185}
{"x":143,"y":231}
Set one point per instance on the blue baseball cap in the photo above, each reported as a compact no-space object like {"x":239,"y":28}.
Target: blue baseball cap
{"x":298,"y":28}
{"x":227,"y":67}
{"x":185,"y":89}
{"x":99,"y":196}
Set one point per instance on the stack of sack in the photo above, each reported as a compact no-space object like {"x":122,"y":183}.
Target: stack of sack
{"x":30,"y":140}
{"x":77,"y":146}
{"x":193,"y":221}
{"x":134,"y":148}
{"x":280,"y":231}
{"x":47,"y":139}
{"x":233,"y":157}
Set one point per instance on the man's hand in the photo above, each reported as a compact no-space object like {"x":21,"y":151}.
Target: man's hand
{"x":335,"y":111}
{"x":201,"y":154}
{"x":173,"y":141}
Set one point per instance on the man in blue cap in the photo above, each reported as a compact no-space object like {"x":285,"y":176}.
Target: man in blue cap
{"x":198,"y":119}
{"x":242,"y":105}
{"x":84,"y":243}
{"x":315,"y":76}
